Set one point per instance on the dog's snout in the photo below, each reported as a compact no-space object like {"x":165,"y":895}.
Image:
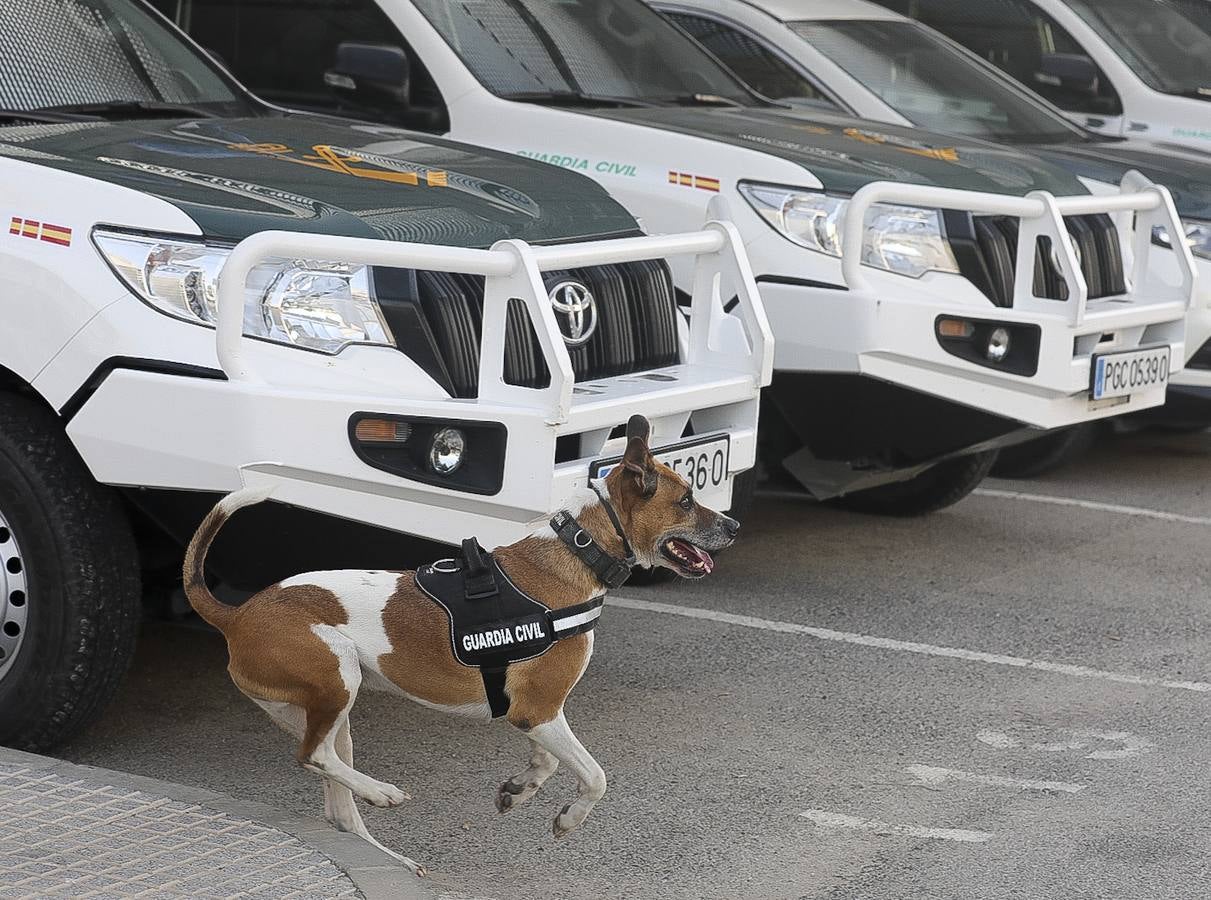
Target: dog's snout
{"x":730,"y":526}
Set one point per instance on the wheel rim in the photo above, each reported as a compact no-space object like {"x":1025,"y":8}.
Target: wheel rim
{"x":14,"y":599}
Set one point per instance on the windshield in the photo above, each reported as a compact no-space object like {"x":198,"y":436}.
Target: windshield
{"x":1166,"y":42}
{"x":70,"y":53}
{"x":932,"y":84}
{"x":619,"y":49}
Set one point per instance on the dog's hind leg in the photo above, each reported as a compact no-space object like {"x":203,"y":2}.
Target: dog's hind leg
{"x":325,"y":721}
{"x":342,"y":811}
{"x":524,"y":785}
{"x":557,"y":738}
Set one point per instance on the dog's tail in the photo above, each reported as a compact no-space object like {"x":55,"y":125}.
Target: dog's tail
{"x":205,"y":603}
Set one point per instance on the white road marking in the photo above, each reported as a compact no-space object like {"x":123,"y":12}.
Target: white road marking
{"x":1132,"y":745}
{"x":935,"y":775}
{"x":998,"y":740}
{"x":826,"y":819}
{"x":866,"y":640}
{"x":1138,"y":511}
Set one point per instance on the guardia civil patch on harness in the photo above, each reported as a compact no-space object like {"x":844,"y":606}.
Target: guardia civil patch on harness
{"x":487,"y":627}
{"x":493,"y":622}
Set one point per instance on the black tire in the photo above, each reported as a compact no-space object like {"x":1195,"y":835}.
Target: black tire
{"x":81,"y":607}
{"x":937,"y":488}
{"x":1044,"y":454}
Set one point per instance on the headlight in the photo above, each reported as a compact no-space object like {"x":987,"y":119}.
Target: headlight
{"x":903,"y":239}
{"x":1198,"y":236}
{"x":304,"y":303}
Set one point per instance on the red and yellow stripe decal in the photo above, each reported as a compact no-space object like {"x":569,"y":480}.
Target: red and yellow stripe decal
{"x":56,"y":234}
{"x":701,"y":182}
{"x":52,"y":234}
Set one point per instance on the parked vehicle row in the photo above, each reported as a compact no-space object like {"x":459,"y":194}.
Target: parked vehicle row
{"x":422,"y":288}
{"x":877,"y":399}
{"x":854,"y":56}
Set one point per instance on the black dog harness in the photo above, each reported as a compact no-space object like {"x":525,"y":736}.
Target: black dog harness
{"x":494,"y":623}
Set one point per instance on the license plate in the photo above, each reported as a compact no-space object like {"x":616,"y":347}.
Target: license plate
{"x":701,"y":462}
{"x":1123,"y":374}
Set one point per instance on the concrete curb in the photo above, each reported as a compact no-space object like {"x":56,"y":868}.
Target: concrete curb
{"x":375,"y":874}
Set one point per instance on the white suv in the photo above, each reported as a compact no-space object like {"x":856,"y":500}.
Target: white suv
{"x":408,"y":337}
{"x":926,"y":292}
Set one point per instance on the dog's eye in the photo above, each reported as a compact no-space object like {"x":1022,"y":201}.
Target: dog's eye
{"x":687,"y":502}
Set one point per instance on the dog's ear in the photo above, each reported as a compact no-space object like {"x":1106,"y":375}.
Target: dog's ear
{"x":638,"y":463}
{"x":638,"y":427}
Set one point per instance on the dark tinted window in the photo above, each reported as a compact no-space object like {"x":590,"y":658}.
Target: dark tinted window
{"x":1021,"y":39}
{"x":62,"y":52}
{"x":933,"y":83}
{"x":282,"y":48}
{"x":532,"y":49}
{"x":762,"y":69}
{"x":1167,"y":43}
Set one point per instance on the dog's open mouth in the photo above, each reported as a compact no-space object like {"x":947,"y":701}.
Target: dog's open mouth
{"x":688,"y":560}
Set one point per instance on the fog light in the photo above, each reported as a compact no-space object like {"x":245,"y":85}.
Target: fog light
{"x":998,"y":345}
{"x":446,"y":451}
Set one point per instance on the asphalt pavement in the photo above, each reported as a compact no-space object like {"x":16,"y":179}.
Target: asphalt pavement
{"x":1006,"y":700}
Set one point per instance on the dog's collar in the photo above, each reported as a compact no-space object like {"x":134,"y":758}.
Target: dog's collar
{"x":611,"y":571}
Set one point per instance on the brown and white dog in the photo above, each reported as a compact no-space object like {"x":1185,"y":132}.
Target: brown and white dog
{"x":302,"y":648}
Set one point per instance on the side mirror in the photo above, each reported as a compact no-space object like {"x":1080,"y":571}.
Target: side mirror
{"x":1074,"y":73}
{"x":370,"y":74}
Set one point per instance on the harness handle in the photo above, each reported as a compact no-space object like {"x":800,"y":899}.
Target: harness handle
{"x":479,"y":583}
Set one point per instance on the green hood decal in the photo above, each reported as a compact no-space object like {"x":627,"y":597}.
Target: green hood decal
{"x":1185,"y":171}
{"x":847,"y":154}
{"x":235,"y":177}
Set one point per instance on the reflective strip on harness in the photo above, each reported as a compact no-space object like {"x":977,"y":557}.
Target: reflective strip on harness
{"x":572,"y":623}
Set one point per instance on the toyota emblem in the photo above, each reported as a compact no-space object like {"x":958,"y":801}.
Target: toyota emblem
{"x":575,"y":310}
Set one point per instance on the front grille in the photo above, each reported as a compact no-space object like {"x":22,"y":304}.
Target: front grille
{"x":437,"y":319}
{"x":992,"y":266}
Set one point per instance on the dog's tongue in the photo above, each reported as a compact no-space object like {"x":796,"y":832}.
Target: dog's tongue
{"x":695,"y":553}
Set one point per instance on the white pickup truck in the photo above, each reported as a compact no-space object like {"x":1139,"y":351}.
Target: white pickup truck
{"x":933,"y":298}
{"x":409,"y":338}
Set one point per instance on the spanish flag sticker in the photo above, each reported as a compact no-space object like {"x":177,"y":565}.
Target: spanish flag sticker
{"x":685,"y":179}
{"x":56,"y":234}
{"x":59,"y":235}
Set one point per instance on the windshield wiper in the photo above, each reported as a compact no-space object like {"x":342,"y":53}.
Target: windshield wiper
{"x":574,"y":98}
{"x":130,"y":109}
{"x":42,"y":116}
{"x":701,"y":100}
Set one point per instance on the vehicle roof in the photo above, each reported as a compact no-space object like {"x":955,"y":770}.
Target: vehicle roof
{"x":811,"y":10}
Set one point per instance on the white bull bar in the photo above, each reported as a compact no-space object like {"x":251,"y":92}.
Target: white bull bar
{"x":1042,"y":215}
{"x":727,"y":356}
{"x":513,"y":269}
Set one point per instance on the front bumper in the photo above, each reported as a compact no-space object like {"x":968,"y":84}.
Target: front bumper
{"x":269,"y":424}
{"x":884,"y":326}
